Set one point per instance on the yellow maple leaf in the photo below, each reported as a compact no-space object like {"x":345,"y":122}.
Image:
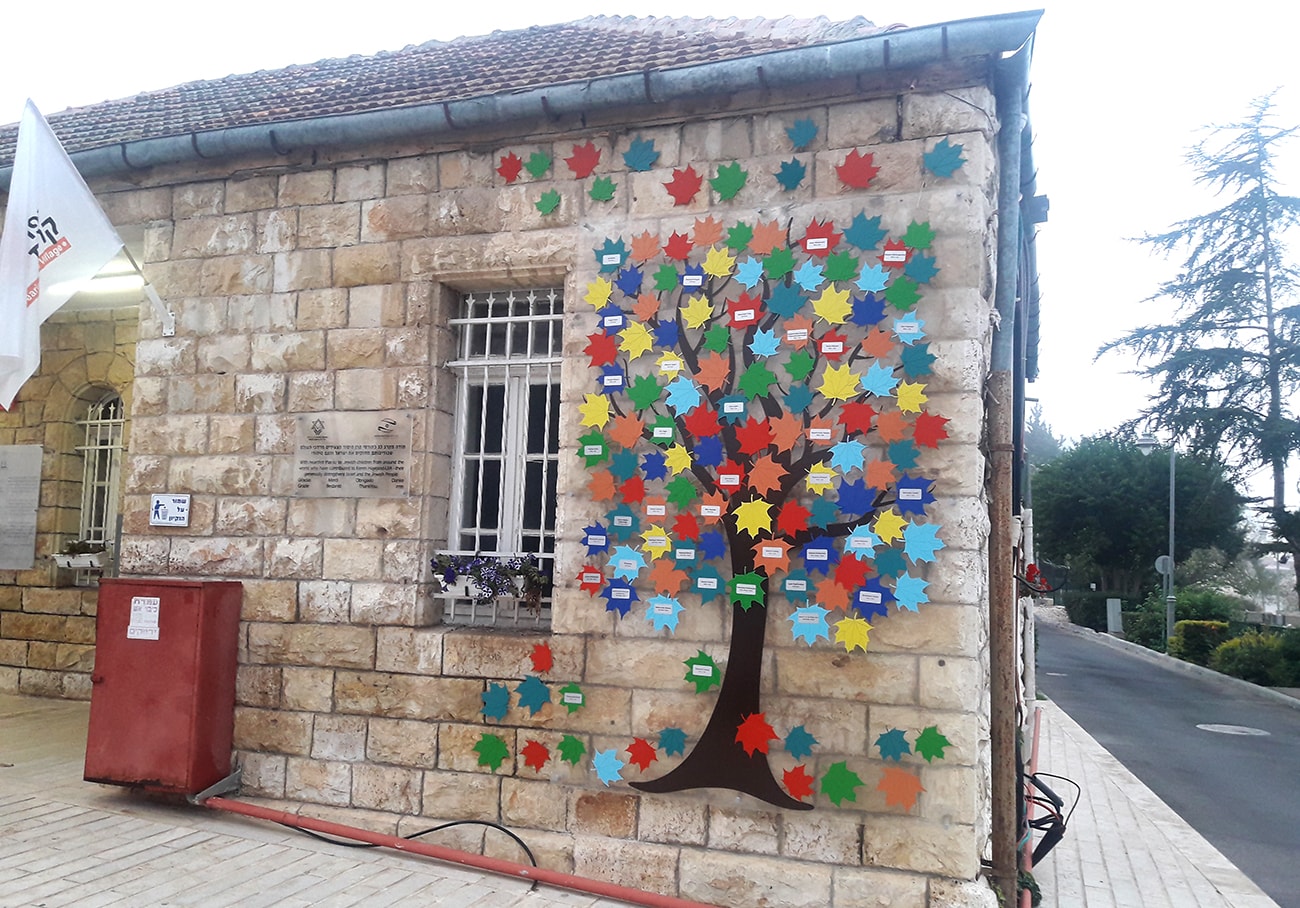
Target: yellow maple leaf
{"x":697,"y":311}
{"x":889,"y":526}
{"x":669,"y":363}
{"x":910,"y":396}
{"x":677,"y":458}
{"x":819,"y":478}
{"x":595,"y":411}
{"x":598,"y":292}
{"x":657,"y":541}
{"x":852,"y":632}
{"x":840,"y":383}
{"x":754,"y":516}
{"x":833,"y":305}
{"x":637,"y":340}
{"x":719,"y":262}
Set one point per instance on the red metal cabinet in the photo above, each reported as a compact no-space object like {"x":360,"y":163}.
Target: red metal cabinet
{"x":162,"y":699}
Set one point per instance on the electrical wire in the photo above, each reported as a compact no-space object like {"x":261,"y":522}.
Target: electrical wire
{"x":423,"y":832}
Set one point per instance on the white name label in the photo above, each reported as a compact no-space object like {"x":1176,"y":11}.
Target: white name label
{"x":797,"y":334}
{"x":622,"y":520}
{"x":655,"y":510}
{"x":909,"y":494}
{"x":592,"y":578}
{"x":819,"y":434}
{"x":771,"y":551}
{"x":832,"y":346}
{"x":692,"y":280}
{"x":746,"y":589}
{"x":596,"y":540}
{"x":817,"y":242}
{"x":614,"y":258}
{"x":613,"y":321}
{"x":620,"y":594}
{"x":869,"y":596}
{"x":613,"y":381}
{"x":702,"y":671}
{"x":816,"y":555}
{"x":734,"y":406}
{"x":573,"y":698}
{"x":797,"y":586}
{"x":663,"y":432}
{"x":711,"y":510}
{"x":744,"y":315}
{"x":707,"y":583}
{"x":685,"y":554}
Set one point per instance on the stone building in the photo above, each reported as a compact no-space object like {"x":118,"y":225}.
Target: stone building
{"x":727,"y":322}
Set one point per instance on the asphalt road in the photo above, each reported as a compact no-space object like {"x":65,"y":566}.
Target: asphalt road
{"x":1239,"y":791}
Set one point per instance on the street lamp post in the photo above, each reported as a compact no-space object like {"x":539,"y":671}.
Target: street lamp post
{"x":1146,"y":444}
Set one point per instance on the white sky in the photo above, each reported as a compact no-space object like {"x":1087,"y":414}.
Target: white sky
{"x":1119,"y":92}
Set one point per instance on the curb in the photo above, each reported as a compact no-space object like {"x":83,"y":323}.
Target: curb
{"x":1169,"y":662}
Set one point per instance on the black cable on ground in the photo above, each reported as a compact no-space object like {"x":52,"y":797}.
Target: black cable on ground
{"x":346,"y":843}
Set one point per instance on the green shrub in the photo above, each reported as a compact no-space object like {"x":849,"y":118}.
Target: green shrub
{"x":1146,"y":628}
{"x":1196,"y":641}
{"x":1289,"y":667}
{"x":1253,"y":657}
{"x":1087,"y":608}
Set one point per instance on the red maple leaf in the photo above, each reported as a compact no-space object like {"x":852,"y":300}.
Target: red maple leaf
{"x":702,"y":421}
{"x":820,"y":239}
{"x":543,"y":661}
{"x":510,"y":166}
{"x":793,"y":518}
{"x":591,"y":579}
{"x":684,"y":185}
{"x":896,"y":254}
{"x":678,"y":247}
{"x":929,"y":430}
{"x":753,"y":435}
{"x":901,"y":788}
{"x":633,"y":490}
{"x":856,"y":416}
{"x":858,"y":170}
{"x":832,"y":345}
{"x":754,"y":733}
{"x":641,"y":753}
{"x":731,"y":478}
{"x":583,"y":160}
{"x":685,"y":526}
{"x":852,"y":572}
{"x":745,"y":310}
{"x":535,"y":755}
{"x":602,"y":348}
{"x":797,"y":782}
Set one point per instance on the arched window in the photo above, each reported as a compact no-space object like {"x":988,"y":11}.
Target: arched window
{"x":101,"y":452}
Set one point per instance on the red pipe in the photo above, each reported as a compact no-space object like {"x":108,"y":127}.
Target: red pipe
{"x":441,"y":853}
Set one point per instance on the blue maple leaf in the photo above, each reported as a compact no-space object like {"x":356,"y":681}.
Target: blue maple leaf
{"x":893,"y":744}
{"x":820,"y":555}
{"x":713,"y":545}
{"x":629,"y":281}
{"x":921,"y":541}
{"x":809,"y":623}
{"x":662,"y":612}
{"x":868,"y":310}
{"x":944,"y":159}
{"x":910,"y":592}
{"x":872,"y":599}
{"x":612,"y":381}
{"x":749,"y":272}
{"x":672,"y":741}
{"x":785,"y":301}
{"x":595,"y":539}
{"x":864,"y":232}
{"x":809,"y":276}
{"x":611,"y":256}
{"x":533,"y":694}
{"x":693,"y":277}
{"x":619,"y":596}
{"x":666,"y":335}
{"x":791,"y":174}
{"x":801,"y":133}
{"x":607,"y":766}
{"x":654,"y":465}
{"x":799,"y":743}
{"x":708,"y":451}
{"x":612,"y":319}
{"x":912,"y":494}
{"x":496,"y":701}
{"x":856,"y":497}
{"x":640,"y":155}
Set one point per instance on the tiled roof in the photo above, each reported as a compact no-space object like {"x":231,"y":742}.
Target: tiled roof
{"x":437,"y":71}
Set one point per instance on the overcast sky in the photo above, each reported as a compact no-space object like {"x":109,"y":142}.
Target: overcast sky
{"x":1119,"y":92}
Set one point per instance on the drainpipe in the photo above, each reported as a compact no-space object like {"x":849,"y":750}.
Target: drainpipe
{"x":1012,"y":85}
{"x":441,"y":853}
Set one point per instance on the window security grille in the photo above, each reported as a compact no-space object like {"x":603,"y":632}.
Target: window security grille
{"x":101,"y":452}
{"x":507,"y":441}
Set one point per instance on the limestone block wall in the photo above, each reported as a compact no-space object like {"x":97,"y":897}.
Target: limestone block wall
{"x":47,"y":625}
{"x":325,"y":281}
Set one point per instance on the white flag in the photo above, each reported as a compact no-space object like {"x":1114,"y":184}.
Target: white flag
{"x":55,"y":238}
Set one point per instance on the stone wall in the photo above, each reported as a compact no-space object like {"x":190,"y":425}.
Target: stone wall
{"x":325,"y":284}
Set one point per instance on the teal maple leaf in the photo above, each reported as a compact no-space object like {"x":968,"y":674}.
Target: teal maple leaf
{"x":921,"y":268}
{"x":864,"y":232}
{"x":799,"y":743}
{"x":641,"y":155}
{"x":917,"y":360}
{"x":533,"y":694}
{"x":791,"y":174}
{"x":611,"y":255}
{"x":672,"y":741}
{"x":496,"y":701}
{"x":944,"y":159}
{"x":801,"y":133}
{"x":893,"y":744}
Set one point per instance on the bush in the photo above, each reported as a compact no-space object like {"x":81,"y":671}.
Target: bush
{"x":1253,"y":657}
{"x":1146,"y":628}
{"x":1289,"y":665}
{"x":1087,"y":608}
{"x":1196,"y":641}
{"x":1146,"y":625}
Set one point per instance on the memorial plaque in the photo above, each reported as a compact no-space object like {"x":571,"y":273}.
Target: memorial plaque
{"x":353,"y":455}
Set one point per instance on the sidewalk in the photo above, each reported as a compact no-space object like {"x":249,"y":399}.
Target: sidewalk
{"x":67,"y":842}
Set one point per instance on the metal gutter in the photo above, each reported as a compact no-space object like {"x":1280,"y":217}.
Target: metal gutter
{"x":894,"y":50}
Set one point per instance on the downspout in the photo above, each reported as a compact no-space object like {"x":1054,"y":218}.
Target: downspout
{"x":1012,"y":85}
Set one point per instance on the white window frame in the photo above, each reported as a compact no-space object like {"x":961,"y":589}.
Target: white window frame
{"x":101,"y":475}
{"x":510,"y":340}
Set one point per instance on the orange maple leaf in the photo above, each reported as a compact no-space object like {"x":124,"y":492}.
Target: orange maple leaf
{"x":645,"y":247}
{"x":880,"y":474}
{"x":878,"y":343}
{"x":901,"y":788}
{"x":798,"y":331}
{"x":712,"y":506}
{"x":601,"y":486}
{"x":666,"y":578}
{"x":766,"y":238}
{"x":821,"y":431}
{"x":786,"y":430}
{"x":831,"y":595}
{"x":713,"y":371}
{"x":892,"y":426}
{"x":707,"y":231}
{"x":772,"y":555}
{"x":765,"y":475}
{"x":646,"y":307}
{"x":627,"y":430}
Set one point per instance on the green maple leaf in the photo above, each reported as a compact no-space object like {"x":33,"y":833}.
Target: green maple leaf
{"x":902,"y":293}
{"x":602,"y":190}
{"x":667,"y":439}
{"x":666,"y":278}
{"x":587,"y":445}
{"x":918,"y":236}
{"x":703,"y":672}
{"x":779,"y":263}
{"x":572,"y":697}
{"x":842,"y":266}
{"x":537,"y":164}
{"x":799,"y":367}
{"x":729,"y":181}
{"x":930,"y":744}
{"x":756,"y":381}
{"x":717,"y":338}
{"x":644,"y":392}
{"x":680,"y":491}
{"x":571,"y":749}
{"x":739,"y":235}
{"x":549,"y":201}
{"x":841,"y":783}
{"x":739,"y":588}
{"x":492,"y":751}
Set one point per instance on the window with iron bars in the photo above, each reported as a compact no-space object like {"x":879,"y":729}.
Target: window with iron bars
{"x":101,"y":453}
{"x":507,"y":442}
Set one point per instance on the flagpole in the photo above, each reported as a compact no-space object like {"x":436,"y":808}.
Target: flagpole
{"x":160,"y":309}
